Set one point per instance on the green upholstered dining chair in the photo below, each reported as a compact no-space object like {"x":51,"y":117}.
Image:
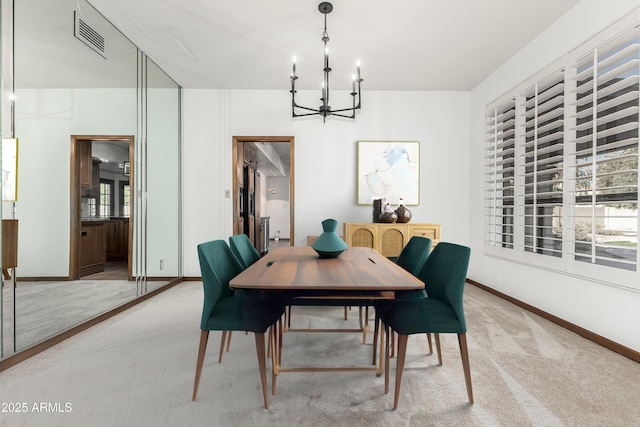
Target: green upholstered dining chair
{"x":444,"y":274}
{"x":226,"y":310}
{"x":414,"y":254}
{"x":246,"y":254}
{"x":243,"y":249}
{"x":411,"y":258}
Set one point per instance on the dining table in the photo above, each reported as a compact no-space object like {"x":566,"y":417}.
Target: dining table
{"x":297,"y":274}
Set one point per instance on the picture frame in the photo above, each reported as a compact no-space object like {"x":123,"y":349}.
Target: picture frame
{"x":389,"y":169}
{"x":9,"y":169}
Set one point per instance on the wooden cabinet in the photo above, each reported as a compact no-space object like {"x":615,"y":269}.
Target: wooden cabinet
{"x":95,"y":178}
{"x":238,"y":195}
{"x":92,"y":247}
{"x":388,"y":239}
{"x":247,"y":193}
{"x":117,"y":239}
{"x":89,"y":171}
{"x":86,"y":163}
{"x":251,"y":180}
{"x":9,"y":246}
{"x":250,"y":155}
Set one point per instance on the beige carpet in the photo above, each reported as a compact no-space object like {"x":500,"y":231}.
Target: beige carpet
{"x":137,"y":369}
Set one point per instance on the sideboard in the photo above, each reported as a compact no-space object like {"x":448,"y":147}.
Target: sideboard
{"x":388,"y":239}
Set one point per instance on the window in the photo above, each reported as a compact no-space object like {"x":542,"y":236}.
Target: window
{"x":543,"y":148}
{"x":562,"y":163}
{"x":125,"y":199}
{"x":499,"y":199}
{"x":605,"y":175}
{"x":106,"y":197}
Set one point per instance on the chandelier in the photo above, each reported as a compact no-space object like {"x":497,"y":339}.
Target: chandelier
{"x":325,"y":109}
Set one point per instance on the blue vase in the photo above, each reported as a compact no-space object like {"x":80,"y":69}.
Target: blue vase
{"x":329,"y":244}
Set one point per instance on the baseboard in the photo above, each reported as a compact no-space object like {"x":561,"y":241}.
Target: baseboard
{"x":585,"y":333}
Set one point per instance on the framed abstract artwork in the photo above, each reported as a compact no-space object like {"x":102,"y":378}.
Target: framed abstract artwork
{"x":389,"y":169}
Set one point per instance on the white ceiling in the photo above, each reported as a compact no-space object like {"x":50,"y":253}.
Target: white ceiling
{"x":402,"y":45}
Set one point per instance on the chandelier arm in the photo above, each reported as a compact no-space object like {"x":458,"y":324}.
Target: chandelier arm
{"x":306,"y":108}
{"x":343,"y":109}
{"x":307,"y":114}
{"x":352,"y":116}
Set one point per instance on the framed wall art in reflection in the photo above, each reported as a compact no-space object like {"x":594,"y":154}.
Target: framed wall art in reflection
{"x":9,"y":169}
{"x":389,"y":169}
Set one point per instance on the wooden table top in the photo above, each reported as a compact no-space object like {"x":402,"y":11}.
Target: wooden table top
{"x":298,"y":268}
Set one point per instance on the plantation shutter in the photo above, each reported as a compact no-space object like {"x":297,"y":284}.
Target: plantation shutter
{"x":500,"y":172}
{"x":543,"y":153}
{"x":605,"y":193}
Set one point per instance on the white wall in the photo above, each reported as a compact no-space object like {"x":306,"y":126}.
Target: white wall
{"x":325,"y":158}
{"x":605,"y":310}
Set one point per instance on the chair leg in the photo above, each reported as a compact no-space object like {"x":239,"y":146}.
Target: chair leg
{"x":262,"y":365}
{"x":376,"y":329}
{"x":430,"y":345}
{"x":437,"y":337}
{"x":464,"y":354}
{"x":280,"y":332}
{"x":393,"y":344}
{"x":229,"y":340}
{"x":289,"y":319}
{"x":273,"y":334}
{"x":402,"y":352}
{"x":386,"y":360}
{"x":204,"y":337}
{"x":222,"y":343}
{"x":345,"y":312}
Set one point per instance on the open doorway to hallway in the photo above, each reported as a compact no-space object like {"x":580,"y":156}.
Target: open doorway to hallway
{"x":263,"y":189}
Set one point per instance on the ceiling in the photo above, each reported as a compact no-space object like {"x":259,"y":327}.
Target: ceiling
{"x":402,"y":45}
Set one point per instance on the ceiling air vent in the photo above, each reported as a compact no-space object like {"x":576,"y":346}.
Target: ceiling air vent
{"x":89,"y":36}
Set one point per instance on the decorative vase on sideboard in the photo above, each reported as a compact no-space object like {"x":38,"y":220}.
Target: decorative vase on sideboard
{"x":404,"y":214}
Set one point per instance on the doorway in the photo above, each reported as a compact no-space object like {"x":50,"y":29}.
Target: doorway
{"x":100,"y":229}
{"x":263,"y":189}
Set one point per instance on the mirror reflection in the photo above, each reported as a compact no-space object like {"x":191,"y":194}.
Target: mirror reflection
{"x":85,"y":215}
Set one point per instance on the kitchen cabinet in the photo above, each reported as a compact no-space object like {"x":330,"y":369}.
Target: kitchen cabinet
{"x":86,"y":164}
{"x":9,"y":246}
{"x":248,"y":220}
{"x":239,"y":195}
{"x":117,"y":239}
{"x":89,"y":172}
{"x":388,"y":239}
{"x":92,"y":247}
{"x":250,"y":155}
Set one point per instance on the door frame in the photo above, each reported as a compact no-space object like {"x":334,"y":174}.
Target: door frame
{"x":75,"y":212}
{"x":266,"y":139}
